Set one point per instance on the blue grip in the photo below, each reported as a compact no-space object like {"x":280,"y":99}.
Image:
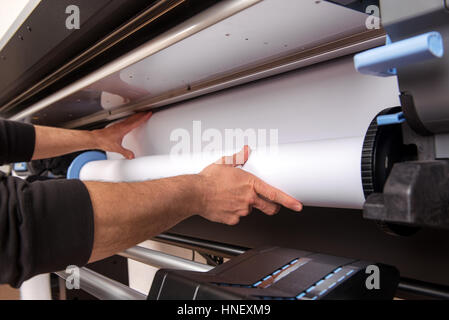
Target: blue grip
{"x":77,"y":164}
{"x":390,"y":119}
{"x":383,"y":61}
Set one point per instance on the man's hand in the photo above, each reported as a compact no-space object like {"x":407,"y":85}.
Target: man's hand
{"x":230,"y":193}
{"x":128,"y":213}
{"x":53,"y":142}
{"x":111,"y":138}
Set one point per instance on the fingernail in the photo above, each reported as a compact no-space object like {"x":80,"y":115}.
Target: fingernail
{"x":298,"y":207}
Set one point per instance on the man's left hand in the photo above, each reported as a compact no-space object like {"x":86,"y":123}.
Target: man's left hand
{"x":111,"y":138}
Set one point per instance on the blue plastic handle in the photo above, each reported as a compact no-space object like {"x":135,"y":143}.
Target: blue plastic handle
{"x":388,"y":119}
{"x":383,"y":61}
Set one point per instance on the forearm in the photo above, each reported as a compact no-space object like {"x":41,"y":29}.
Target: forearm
{"x":53,"y":142}
{"x":126,"y":214}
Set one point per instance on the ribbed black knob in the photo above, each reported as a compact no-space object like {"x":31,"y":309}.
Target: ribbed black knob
{"x":382,"y":148}
{"x":368,"y":158}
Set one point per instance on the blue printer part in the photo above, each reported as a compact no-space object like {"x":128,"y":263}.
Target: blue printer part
{"x":20,"y":167}
{"x":392,"y":71}
{"x":383,"y":61}
{"x":388,"y":119}
{"x":75,"y":167}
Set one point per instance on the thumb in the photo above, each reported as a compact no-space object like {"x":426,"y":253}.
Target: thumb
{"x":128,"y":154}
{"x":237,"y":159}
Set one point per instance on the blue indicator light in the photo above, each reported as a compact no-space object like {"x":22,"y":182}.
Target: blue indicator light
{"x":330,"y":275}
{"x":337,"y":270}
{"x":341,"y":278}
{"x":294,"y":261}
{"x":299,"y":296}
{"x":276,"y":272}
{"x":323,"y":292}
{"x":310,"y":289}
{"x":266,"y":278}
{"x":314,"y":298}
{"x":332,"y":285}
{"x":319,"y":282}
{"x":257,"y":283}
{"x":349,"y":272}
{"x":285,"y":267}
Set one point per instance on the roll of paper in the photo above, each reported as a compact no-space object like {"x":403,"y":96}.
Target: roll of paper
{"x":36,"y":288}
{"x":324,"y":173}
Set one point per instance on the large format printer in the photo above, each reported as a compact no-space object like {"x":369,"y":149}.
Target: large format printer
{"x":351,"y":93}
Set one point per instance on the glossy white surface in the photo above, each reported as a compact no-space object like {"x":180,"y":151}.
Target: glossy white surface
{"x":268,"y":29}
{"x":99,"y":80}
{"x":326,"y":101}
{"x":263,"y":31}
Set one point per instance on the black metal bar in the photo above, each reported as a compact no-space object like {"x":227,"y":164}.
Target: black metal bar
{"x":102,"y":287}
{"x":206,"y":246}
{"x":163,"y":260}
{"x":358,"y":5}
{"x":420,"y":289}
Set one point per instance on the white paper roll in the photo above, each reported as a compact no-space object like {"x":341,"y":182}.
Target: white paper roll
{"x":36,"y":288}
{"x":324,"y":101}
{"x":323,"y":173}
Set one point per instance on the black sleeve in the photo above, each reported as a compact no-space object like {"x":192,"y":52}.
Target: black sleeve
{"x":16,"y":141}
{"x":45,"y":225}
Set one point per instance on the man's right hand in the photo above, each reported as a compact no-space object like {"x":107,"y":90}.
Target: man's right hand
{"x":128,"y":213}
{"x":230,"y":193}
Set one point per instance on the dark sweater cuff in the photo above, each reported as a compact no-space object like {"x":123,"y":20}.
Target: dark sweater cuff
{"x":19,"y":139}
{"x":62,"y":224}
